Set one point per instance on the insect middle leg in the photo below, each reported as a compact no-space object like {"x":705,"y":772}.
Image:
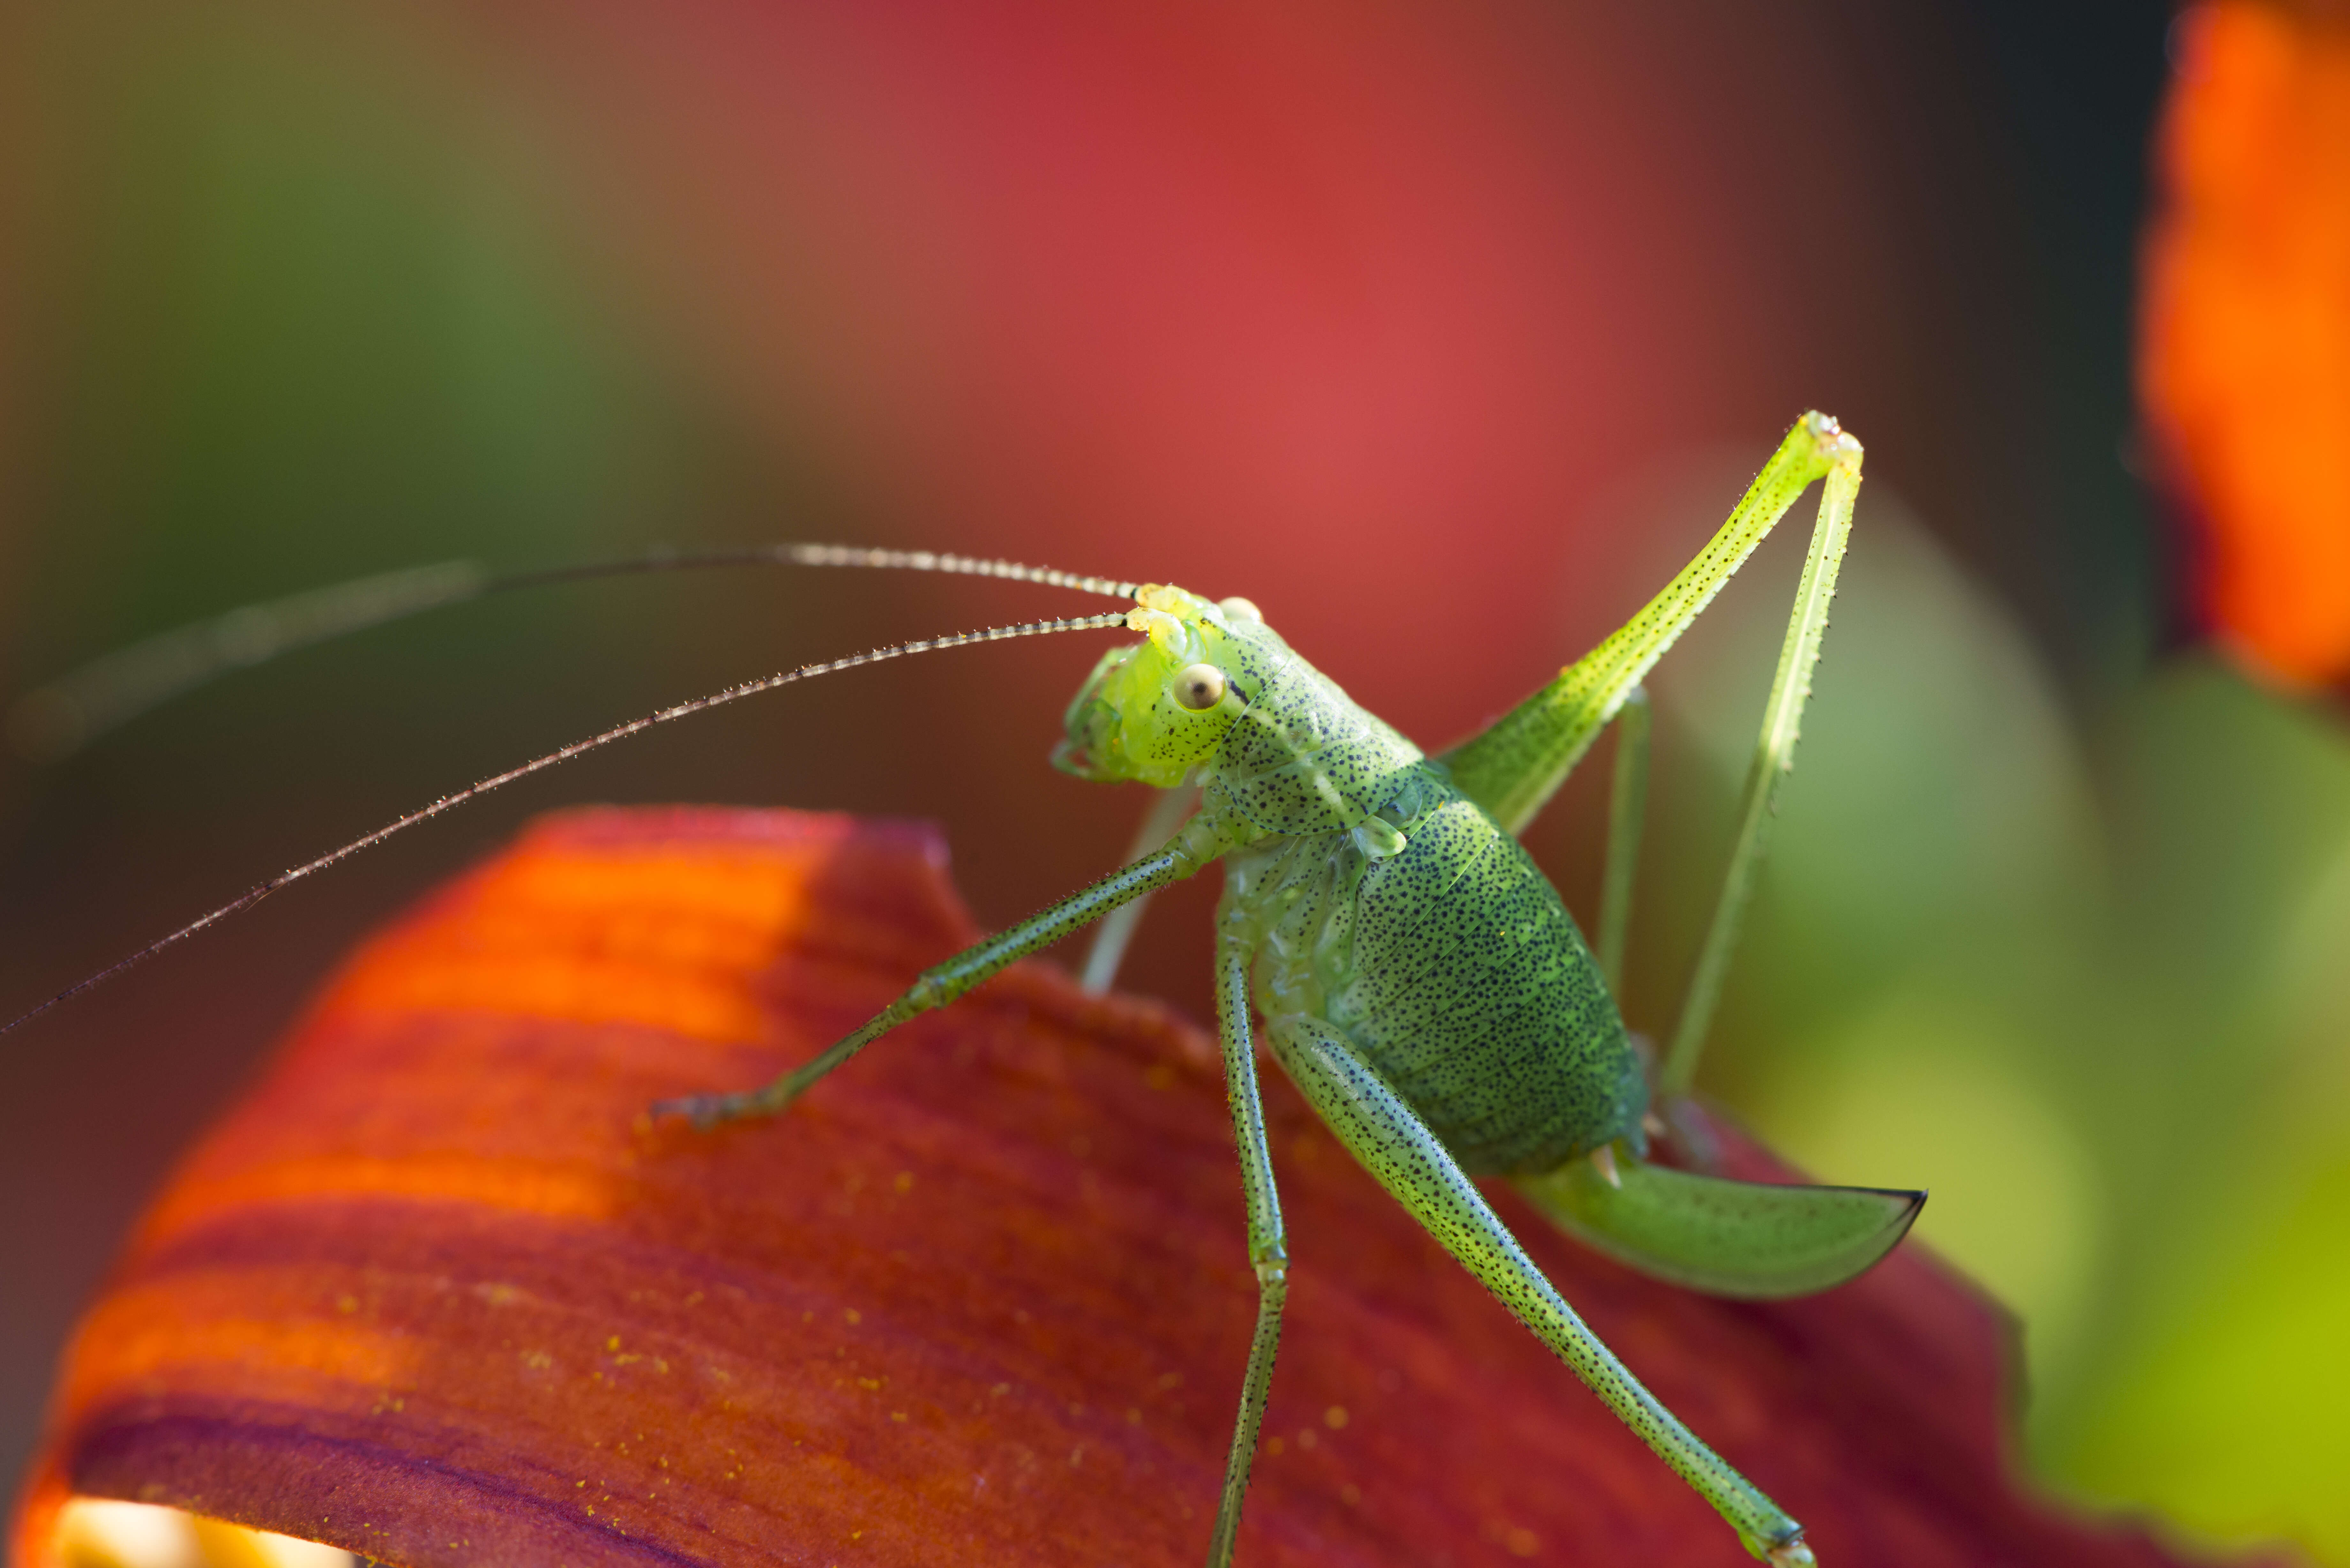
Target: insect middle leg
{"x":1398,"y":1150}
{"x":1268,"y":1249}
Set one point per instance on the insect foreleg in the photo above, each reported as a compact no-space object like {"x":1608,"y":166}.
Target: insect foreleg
{"x":944,"y":982}
{"x":1409,"y":1162}
{"x":1268,"y":1249}
{"x":1774,"y":754}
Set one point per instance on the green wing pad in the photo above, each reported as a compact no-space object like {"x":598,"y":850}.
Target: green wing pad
{"x":1742,"y":1239}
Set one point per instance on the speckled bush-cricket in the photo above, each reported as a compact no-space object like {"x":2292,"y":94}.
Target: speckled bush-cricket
{"x":1381,"y":932}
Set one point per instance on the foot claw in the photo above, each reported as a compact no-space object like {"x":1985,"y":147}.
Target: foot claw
{"x":707,"y":1111}
{"x":1792,"y":1553}
{"x":704,"y":1111}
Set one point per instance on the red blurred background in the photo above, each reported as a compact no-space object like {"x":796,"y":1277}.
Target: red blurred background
{"x":1394,"y":320}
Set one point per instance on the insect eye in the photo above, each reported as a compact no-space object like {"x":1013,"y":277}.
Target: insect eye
{"x":1200,"y":688}
{"x":1239,"y":608}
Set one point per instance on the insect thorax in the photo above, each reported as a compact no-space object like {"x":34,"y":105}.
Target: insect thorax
{"x":1379,"y":898}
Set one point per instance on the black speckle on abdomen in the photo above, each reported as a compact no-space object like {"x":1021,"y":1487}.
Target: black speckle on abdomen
{"x":1469,"y":989}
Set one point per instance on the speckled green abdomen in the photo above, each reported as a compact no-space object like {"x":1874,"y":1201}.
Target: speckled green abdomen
{"x":1467,"y":987}
{"x":1453,"y":969}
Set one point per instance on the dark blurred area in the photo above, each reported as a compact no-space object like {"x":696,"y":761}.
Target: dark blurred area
{"x":1444,"y":334}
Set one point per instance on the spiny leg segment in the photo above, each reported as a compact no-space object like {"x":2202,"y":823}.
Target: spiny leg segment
{"x":1268,"y":1249}
{"x":1409,"y":1160}
{"x":1775,"y":757}
{"x":1517,"y":763}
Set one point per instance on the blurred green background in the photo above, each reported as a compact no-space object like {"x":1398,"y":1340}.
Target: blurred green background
{"x":1446,"y":334}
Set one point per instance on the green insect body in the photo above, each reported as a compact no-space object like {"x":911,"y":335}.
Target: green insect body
{"x":1414,"y":973}
{"x":1421,"y":982}
{"x":1370,"y":895}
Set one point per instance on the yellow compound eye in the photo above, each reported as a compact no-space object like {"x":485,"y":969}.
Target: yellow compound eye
{"x":1200,"y":688}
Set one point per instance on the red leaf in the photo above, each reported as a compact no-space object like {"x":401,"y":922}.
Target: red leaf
{"x":436,"y":1293}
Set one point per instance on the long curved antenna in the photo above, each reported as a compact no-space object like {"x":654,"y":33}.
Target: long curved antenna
{"x":53,"y":722}
{"x":539,"y":764}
